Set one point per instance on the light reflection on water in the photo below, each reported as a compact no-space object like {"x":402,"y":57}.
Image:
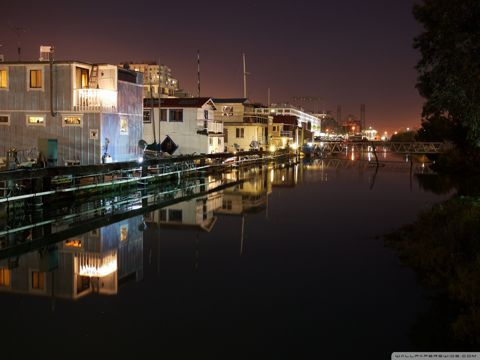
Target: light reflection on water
{"x":288,"y":256}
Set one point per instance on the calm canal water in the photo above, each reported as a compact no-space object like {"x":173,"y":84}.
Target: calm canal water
{"x":290,"y":263}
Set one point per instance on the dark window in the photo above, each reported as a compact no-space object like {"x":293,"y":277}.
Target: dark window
{"x":163,"y":115}
{"x":163,"y":215}
{"x":4,"y":120}
{"x":240,"y":133}
{"x":176,"y":115}
{"x":175,"y":215}
{"x":205,"y":114}
{"x":146,"y":117}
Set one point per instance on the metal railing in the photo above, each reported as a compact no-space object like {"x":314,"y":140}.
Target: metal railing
{"x":95,"y":100}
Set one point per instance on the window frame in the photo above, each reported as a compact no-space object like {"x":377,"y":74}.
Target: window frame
{"x":44,"y":124}
{"x":173,"y":111}
{"x":8,"y":122}
{"x":72,"y":125}
{"x":35,"y":68}
{"x":6,"y":69}
{"x":123,"y":132}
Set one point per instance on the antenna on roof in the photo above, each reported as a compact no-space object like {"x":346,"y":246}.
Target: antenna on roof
{"x":198,"y":71}
{"x":18,"y":31}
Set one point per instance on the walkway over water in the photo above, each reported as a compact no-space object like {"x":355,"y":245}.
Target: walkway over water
{"x":413,"y":147}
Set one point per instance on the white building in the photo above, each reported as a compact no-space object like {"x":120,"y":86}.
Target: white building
{"x":155,"y":76}
{"x":305,"y":120}
{"x":189,"y":122}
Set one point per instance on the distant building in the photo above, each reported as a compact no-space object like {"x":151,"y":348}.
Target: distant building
{"x":304,"y":120}
{"x":189,"y":122}
{"x":155,"y":77}
{"x":93,"y":110}
{"x":352,"y":126}
{"x":244,"y":128}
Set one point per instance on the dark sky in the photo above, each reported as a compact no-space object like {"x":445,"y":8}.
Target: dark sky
{"x":346,"y":51}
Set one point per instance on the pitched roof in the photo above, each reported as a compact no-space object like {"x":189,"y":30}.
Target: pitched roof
{"x":197,"y":102}
{"x":230,"y":100}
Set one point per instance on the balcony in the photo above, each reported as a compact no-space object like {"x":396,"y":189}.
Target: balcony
{"x":288,"y":134}
{"x":95,"y":100}
{"x":209,"y":127}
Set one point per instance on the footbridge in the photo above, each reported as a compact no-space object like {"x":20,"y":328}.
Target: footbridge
{"x":413,"y":147}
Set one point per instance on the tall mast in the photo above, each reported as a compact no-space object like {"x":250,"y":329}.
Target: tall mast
{"x":244,"y":77}
{"x":198,"y":71}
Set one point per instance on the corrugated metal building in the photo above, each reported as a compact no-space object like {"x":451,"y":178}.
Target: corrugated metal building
{"x":90,"y":106}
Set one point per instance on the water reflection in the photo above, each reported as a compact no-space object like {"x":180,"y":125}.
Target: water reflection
{"x":94,"y":262}
{"x":255,"y":256}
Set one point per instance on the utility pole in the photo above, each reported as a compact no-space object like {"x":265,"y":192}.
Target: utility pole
{"x":268,"y":98}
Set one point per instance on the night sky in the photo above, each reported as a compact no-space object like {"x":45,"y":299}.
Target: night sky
{"x":347,"y":52}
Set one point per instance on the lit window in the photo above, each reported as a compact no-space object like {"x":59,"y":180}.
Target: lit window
{"x":75,"y":243}
{"x":123,"y":126}
{"x":4,"y":119}
{"x":72,"y":120}
{"x":35,"y":120}
{"x":38,"y":280}
{"x":36,"y":79}
{"x":124,"y":233}
{"x":82,"y":78}
{"x":4,"y":277}
{"x":3,"y":79}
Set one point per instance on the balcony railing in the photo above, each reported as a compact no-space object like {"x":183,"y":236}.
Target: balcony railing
{"x":288,"y":134}
{"x":95,"y":100}
{"x":209,"y":127}
{"x":246,"y":119}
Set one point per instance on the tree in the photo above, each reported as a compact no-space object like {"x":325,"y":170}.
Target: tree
{"x":449,"y":70}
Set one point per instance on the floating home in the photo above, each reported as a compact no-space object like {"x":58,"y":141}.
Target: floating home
{"x":189,"y":122}
{"x":70,"y":112}
{"x":244,"y":129}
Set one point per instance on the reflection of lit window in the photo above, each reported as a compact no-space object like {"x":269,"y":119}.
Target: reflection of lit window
{"x":36,"y":120}
{"x":123,"y":126}
{"x":75,"y":243}
{"x":124,"y":233}
{"x":4,"y":277}
{"x":72,"y":120}
{"x":3,"y":79}
{"x":38,"y":280}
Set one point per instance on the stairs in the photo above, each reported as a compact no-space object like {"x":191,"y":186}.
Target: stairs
{"x":93,"y":81}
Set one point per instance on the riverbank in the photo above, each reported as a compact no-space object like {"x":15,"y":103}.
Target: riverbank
{"x":443,"y":248}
